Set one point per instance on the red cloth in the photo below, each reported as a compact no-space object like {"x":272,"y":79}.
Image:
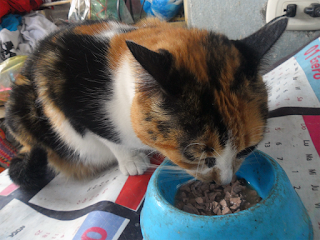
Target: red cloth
{"x":18,"y":6}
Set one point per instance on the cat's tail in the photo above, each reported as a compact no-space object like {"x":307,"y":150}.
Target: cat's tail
{"x":29,"y":169}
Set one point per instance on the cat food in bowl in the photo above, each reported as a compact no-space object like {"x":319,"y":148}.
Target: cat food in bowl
{"x":279,"y":215}
{"x":212,"y":199}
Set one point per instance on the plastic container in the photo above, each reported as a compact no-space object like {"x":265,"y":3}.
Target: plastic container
{"x":279,"y":215}
{"x":8,"y":70}
{"x":162,"y":9}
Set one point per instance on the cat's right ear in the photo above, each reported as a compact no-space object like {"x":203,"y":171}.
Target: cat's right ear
{"x":262,"y":40}
{"x":157,"y":64}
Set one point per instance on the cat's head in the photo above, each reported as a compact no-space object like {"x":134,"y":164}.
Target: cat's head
{"x":202,"y":102}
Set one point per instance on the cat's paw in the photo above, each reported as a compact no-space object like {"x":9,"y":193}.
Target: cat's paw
{"x":136,"y":165}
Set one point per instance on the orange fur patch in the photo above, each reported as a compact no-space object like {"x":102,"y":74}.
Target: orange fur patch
{"x":184,"y":44}
{"x":72,"y":169}
{"x":141,"y":107}
{"x":25,"y":149}
{"x":169,"y":146}
{"x":243,"y":118}
{"x":23,"y":136}
{"x":55,"y":115}
{"x":21,"y":80}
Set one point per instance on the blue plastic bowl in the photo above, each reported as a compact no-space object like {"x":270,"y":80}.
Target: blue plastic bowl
{"x":163,"y":9}
{"x":279,"y":215}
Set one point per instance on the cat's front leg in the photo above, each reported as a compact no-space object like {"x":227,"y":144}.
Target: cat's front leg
{"x":131,"y":162}
{"x":136,"y":164}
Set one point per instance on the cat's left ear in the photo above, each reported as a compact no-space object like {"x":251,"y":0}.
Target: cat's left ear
{"x":262,"y":40}
{"x":157,"y":64}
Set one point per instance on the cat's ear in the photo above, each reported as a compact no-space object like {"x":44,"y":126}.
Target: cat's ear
{"x":262,"y":40}
{"x":157,"y":64}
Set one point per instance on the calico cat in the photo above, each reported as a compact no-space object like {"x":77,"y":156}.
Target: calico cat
{"x":99,"y":92}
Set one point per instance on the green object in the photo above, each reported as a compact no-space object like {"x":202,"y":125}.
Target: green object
{"x":107,"y":9}
{"x":8,"y":70}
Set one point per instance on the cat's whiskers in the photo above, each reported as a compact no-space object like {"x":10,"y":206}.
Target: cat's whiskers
{"x":216,"y":152}
{"x":256,"y":158}
{"x":203,"y":164}
{"x":174,"y":172}
{"x":199,"y":161}
{"x":179,"y":176}
{"x":177,"y":168}
{"x":151,"y":153}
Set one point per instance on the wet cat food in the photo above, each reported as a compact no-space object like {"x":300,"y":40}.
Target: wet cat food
{"x":211,"y":199}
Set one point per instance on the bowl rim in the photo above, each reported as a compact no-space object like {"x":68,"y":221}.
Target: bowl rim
{"x":276,"y":168}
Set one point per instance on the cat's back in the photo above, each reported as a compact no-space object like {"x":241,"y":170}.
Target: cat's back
{"x":87,"y":50}
{"x":84,"y":55}
{"x":65,"y":80}
{"x":70,"y":76}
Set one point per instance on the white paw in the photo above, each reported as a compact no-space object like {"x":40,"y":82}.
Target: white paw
{"x":135,"y":165}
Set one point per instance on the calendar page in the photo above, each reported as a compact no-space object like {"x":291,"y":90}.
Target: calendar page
{"x":289,"y":87}
{"x":292,"y":135}
{"x":108,"y":206}
{"x":20,"y":221}
{"x":68,"y":195}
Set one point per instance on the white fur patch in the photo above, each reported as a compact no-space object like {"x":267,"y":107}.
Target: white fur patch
{"x":90,"y":149}
{"x":224,"y":163}
{"x":113,"y":29}
{"x":119,"y":107}
{"x":97,"y":151}
{"x":121,"y":27}
{"x":131,"y":161}
{"x":107,"y":34}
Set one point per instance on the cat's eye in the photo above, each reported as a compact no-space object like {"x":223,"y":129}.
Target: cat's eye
{"x":246,"y":152}
{"x":189,"y":156}
{"x":210,"y":162}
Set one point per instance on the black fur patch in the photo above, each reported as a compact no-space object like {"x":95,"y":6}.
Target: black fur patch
{"x":216,"y":58}
{"x":87,"y":84}
{"x":246,"y":152}
{"x":164,"y":128}
{"x":148,"y":119}
{"x":30,"y":170}
{"x":250,"y":59}
{"x":30,"y":116}
{"x":193,"y":107}
{"x":189,"y":156}
{"x":210,"y":162}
